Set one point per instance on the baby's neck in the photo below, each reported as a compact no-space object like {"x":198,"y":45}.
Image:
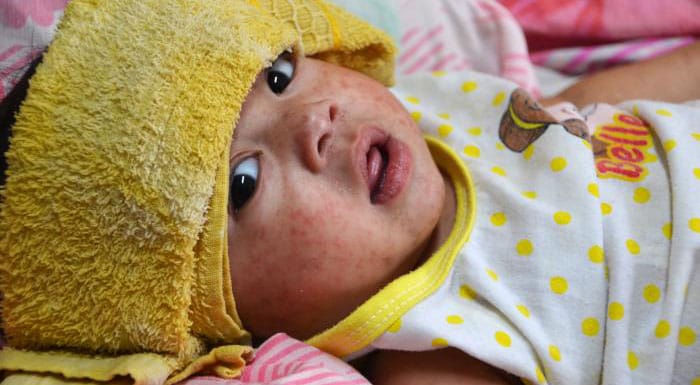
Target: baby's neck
{"x":444,"y":225}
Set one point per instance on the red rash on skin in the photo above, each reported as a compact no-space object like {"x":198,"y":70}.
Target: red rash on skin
{"x":309,"y":247}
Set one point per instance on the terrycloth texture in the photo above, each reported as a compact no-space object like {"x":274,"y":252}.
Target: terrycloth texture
{"x":113,"y":248}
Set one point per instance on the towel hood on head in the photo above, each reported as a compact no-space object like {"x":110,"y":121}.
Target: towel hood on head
{"x":113,"y":248}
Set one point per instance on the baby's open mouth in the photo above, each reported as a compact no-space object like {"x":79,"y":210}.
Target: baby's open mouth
{"x":377,"y":160}
{"x":385,"y":163}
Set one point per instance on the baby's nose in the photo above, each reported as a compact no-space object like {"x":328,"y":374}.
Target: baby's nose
{"x":315,"y":133}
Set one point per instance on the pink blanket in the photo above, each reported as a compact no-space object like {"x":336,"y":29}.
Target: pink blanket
{"x":555,"y":23}
{"x":582,"y":36}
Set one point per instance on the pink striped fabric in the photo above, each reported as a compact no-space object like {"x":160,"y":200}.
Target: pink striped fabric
{"x":13,"y":62}
{"x":581,"y":60}
{"x":456,"y":35}
{"x":598,"y":20}
{"x":282,"y":360}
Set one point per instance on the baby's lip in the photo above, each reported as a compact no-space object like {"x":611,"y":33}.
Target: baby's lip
{"x":384,"y":163}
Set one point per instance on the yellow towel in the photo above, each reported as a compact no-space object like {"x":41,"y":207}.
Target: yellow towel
{"x":113,"y":259}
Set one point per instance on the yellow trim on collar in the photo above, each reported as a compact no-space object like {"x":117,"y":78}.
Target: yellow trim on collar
{"x":377,"y":314}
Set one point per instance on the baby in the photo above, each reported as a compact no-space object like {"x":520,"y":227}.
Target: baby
{"x":451,"y":224}
{"x":352,"y":169}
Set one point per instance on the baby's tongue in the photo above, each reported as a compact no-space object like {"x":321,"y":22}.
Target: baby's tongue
{"x":374,"y":167}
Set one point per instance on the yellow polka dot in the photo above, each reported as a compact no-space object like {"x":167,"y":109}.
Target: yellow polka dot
{"x":557,"y":164}
{"x":444,"y":115}
{"x":416,"y":115}
{"x":663,"y":329}
{"x":468,"y":86}
{"x":586,"y":144}
{"x":554,"y":353}
{"x":472,"y":151}
{"x":590,"y":327}
{"x":465,"y":291}
{"x":444,"y":130}
{"x":524,"y":247}
{"x":632,"y":360}
{"x":454,"y":319}
{"x":616,"y":311}
{"x":395,"y":327}
{"x":529,"y":151}
{"x":596,"y":254}
{"x":476,"y":131}
{"x":695,"y":381}
{"x":530,"y":194}
{"x":562,"y":218}
{"x":686,"y":336}
{"x":606,"y":208}
{"x":632,"y":246}
{"x":439,"y":342}
{"x":540,"y":376}
{"x":498,"y":219}
{"x":500,"y":146}
{"x":498,"y":170}
{"x":635,"y":110}
{"x":524,"y":310}
{"x":492,"y":274}
{"x":696,"y":172}
{"x":669,"y":145}
{"x":413,"y":100}
{"x":694,"y":224}
{"x":593,"y":190}
{"x":498,"y":99}
{"x":652,"y":293}
{"x":667,"y":230}
{"x":439,"y":73}
{"x":558,"y":285}
{"x":642,"y":195}
{"x":502,"y":338}
{"x":664,"y":112}
{"x":696,"y":136}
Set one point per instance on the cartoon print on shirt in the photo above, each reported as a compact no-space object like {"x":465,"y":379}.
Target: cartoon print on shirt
{"x":525,"y":121}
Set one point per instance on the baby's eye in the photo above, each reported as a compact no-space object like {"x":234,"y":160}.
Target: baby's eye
{"x":280,"y":74}
{"x":243,"y":180}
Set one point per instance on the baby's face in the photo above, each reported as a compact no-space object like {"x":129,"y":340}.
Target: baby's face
{"x":333,"y":195}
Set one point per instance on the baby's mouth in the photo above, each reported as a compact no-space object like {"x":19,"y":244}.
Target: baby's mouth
{"x":387,"y":168}
{"x":376,"y":169}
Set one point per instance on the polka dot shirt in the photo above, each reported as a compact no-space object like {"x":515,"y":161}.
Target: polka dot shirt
{"x":583,"y":262}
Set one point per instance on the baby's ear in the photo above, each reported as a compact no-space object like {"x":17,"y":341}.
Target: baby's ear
{"x":8,"y":109}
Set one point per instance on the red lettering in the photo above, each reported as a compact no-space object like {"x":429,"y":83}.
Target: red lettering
{"x":626,"y":170}
{"x":631,"y":142}
{"x":633,"y":120}
{"x":630,"y":131}
{"x":625,"y":155}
